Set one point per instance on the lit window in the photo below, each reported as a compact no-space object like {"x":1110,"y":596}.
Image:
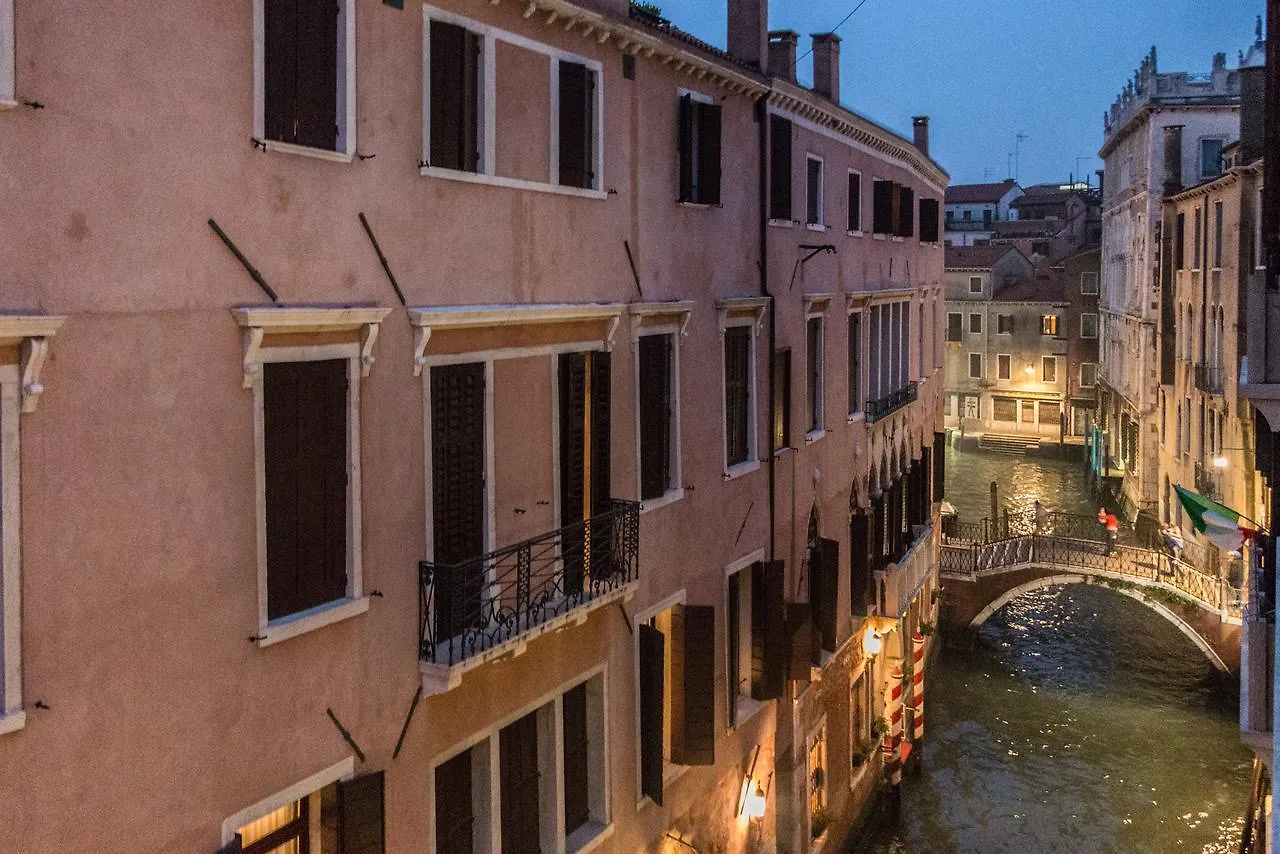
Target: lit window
{"x":1049,"y":324}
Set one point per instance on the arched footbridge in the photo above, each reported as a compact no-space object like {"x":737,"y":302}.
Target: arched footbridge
{"x":984,"y":565}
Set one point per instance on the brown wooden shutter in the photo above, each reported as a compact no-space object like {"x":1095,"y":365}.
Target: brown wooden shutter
{"x":577,"y":808}
{"x":733,"y":622}
{"x":458,"y":491}
{"x":709,"y":154}
{"x":316,"y":54}
{"x":737,"y":357}
{"x":859,"y":563}
{"x":768,"y":630}
{"x":455,"y":816}
{"x":518,"y":763}
{"x":855,"y":202}
{"x":573,"y":472}
{"x":882,"y":201}
{"x":651,"y":701}
{"x":824,"y":576}
{"x":802,"y":644}
{"x":684,"y":147}
{"x":782,"y":399}
{"x":693,"y":699}
{"x":577,"y":88}
{"x":939,"y":466}
{"x":454,"y":97}
{"x":305,"y":448}
{"x":929,"y":220}
{"x":655,"y":415}
{"x":280,"y":63}
{"x":361,"y":825}
{"x":906,"y":212}
{"x":602,"y":563}
{"x":780,"y":168}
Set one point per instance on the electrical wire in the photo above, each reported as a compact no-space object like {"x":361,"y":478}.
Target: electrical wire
{"x":843,"y":21}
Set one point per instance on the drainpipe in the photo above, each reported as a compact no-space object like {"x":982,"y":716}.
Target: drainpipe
{"x":762,"y":119}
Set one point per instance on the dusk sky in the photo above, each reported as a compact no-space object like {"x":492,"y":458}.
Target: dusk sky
{"x":985,"y":71}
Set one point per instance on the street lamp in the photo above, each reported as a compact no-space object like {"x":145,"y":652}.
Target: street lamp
{"x":1031,"y":371}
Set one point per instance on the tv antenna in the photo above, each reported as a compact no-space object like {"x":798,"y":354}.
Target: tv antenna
{"x":1017,"y":151}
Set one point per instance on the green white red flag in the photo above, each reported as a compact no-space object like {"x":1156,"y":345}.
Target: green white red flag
{"x":1221,"y":525}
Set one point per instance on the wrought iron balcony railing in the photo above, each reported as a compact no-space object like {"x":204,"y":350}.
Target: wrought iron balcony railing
{"x":1207,"y":482}
{"x":969,"y":225}
{"x":890,"y":403}
{"x":1209,"y":378}
{"x":470,"y":607}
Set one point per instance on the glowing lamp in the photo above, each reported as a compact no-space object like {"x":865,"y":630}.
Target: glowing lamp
{"x":1220,"y":462}
{"x":1030,"y":371}
{"x":755,"y":805}
{"x":872,"y":643}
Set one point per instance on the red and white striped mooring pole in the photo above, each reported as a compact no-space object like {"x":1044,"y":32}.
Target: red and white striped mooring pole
{"x":892,"y":747}
{"x":917,"y":657}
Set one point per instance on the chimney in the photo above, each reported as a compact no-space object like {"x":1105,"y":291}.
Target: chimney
{"x":826,"y":65}
{"x":920,"y":133}
{"x":1252,"y":118}
{"x":749,"y":31}
{"x":782,"y":54}
{"x":1172,"y":160}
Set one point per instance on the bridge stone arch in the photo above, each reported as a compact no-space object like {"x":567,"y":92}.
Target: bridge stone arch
{"x":969,"y":602}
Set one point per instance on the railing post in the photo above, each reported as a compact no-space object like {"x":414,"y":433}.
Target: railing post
{"x":524,"y":572}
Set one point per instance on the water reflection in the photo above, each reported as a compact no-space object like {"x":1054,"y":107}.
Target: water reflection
{"x":1060,"y":485}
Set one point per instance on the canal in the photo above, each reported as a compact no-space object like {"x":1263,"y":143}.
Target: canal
{"x":1081,"y":722}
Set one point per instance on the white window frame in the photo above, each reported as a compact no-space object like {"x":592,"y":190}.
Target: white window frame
{"x":1087,"y":276}
{"x":345,"y":150}
{"x":697,"y":98}
{"x":1008,"y":361}
{"x":746,"y":706}
{"x":982,"y":367}
{"x":1094,"y":315}
{"x":343,"y":770}
{"x":1222,"y":144}
{"x":947,"y":332}
{"x":756,"y":307}
{"x":587,"y":837}
{"x":1044,"y":362}
{"x":978,"y":280}
{"x":486,"y":112}
{"x":862,"y":228}
{"x":1094,"y":384}
{"x":359,"y":358}
{"x":676,"y":332}
{"x":8,"y":86}
{"x":969,"y":330}
{"x":821,"y":224}
{"x":816,"y":309}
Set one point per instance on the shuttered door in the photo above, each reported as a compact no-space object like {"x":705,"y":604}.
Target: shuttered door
{"x":360,"y":815}
{"x":577,"y":117}
{"x":518,"y":760}
{"x":693,"y":644}
{"x":458,"y":492}
{"x":454,"y":810}
{"x":709,"y":154}
{"x":655,"y":415}
{"x":454,"y":63}
{"x":652,"y":657}
{"x":577,"y":808}
{"x":300,"y":72}
{"x":779,"y":168}
{"x":826,"y":569}
{"x":737,"y":358}
{"x":305,"y":450}
{"x":684,"y":147}
{"x":801,"y":641}
{"x":859,"y":564}
{"x":602,"y":563}
{"x":573,"y":462}
{"x":768,"y":630}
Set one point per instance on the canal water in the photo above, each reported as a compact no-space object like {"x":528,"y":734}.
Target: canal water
{"x":1081,"y":722}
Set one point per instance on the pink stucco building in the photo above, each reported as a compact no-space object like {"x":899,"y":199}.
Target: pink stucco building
{"x":464,"y":427}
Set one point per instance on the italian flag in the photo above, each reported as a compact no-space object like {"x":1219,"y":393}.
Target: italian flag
{"x":1221,"y":525}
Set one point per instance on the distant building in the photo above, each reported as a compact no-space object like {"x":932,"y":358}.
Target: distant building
{"x":972,"y":210}
{"x":1136,"y":159}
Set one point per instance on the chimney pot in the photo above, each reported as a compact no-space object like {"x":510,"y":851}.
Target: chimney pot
{"x":826,"y":65}
{"x":749,"y":31}
{"x":920,"y":133}
{"x":782,"y":54}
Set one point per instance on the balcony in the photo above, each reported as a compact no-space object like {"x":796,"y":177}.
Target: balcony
{"x":968,"y":225}
{"x":480,"y":609}
{"x":904,"y":579}
{"x":1207,"y":482}
{"x":1209,"y":378}
{"x":890,"y":403}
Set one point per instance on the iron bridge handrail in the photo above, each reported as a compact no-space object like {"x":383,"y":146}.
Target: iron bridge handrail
{"x":468,"y":607}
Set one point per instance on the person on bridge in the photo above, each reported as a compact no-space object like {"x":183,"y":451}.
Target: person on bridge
{"x":1042,"y":518}
{"x":1113,"y":532}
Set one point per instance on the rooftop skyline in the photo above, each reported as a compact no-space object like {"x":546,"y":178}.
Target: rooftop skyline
{"x":1043,"y":69}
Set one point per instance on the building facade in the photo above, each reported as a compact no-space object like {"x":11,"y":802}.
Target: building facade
{"x":444,"y":455}
{"x":1135,"y":159}
{"x":972,"y":210}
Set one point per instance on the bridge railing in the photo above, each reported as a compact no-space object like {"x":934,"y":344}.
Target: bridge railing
{"x":1023,"y":523}
{"x":1070,"y":553}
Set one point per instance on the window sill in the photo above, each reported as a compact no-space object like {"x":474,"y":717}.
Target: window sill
{"x":12,"y":722}
{"x":310,"y":620}
{"x":698,"y":206}
{"x":306,"y":151}
{"x":588,"y":837}
{"x":813,"y":436}
{"x":877,"y":237}
{"x":781,"y":223}
{"x":815,"y":226}
{"x":739,"y":469}
{"x":855,"y":233}
{"x":748,"y":708}
{"x":855,"y":417}
{"x":509,"y":183}
{"x":777,"y":452}
{"x":897,"y":239}
{"x":671,"y":497}
{"x":6,"y":104}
